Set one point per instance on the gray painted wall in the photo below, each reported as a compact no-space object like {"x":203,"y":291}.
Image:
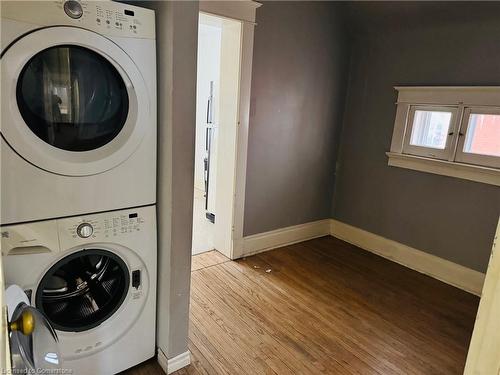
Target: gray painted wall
{"x":299,"y":74}
{"x":415,"y":44}
{"x":177,"y":38}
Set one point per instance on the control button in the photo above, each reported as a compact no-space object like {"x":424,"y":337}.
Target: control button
{"x":84,"y":230}
{"x":73,"y":9}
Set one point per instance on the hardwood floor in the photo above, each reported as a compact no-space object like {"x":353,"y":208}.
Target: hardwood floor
{"x":324,"y":306}
{"x":208,"y":259}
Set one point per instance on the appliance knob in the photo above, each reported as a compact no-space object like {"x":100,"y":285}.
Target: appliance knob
{"x":73,"y":9}
{"x":85,"y":230}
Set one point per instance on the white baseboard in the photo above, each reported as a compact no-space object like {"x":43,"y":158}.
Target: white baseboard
{"x":260,"y":242}
{"x":162,"y":360}
{"x":418,"y":260}
{"x":431,"y":265}
{"x":173,"y":364}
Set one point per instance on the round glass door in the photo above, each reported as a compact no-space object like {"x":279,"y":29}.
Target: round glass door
{"x":74,"y":103}
{"x":72,"y":98}
{"x":36,"y":351}
{"x":83,"y":289}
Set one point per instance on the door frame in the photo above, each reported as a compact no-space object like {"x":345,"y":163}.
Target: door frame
{"x":484,"y":349}
{"x":243,"y":11}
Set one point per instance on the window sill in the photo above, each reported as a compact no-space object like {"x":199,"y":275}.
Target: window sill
{"x":470,"y":172}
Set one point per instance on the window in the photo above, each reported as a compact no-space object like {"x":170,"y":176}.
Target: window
{"x":430,"y":131}
{"x":455,"y":133}
{"x":480,"y":143}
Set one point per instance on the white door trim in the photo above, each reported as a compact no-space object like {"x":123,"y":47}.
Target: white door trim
{"x":484,"y":349}
{"x":243,"y":11}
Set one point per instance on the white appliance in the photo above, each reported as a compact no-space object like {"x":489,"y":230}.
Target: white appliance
{"x":94,"y":278}
{"x":78,"y":108}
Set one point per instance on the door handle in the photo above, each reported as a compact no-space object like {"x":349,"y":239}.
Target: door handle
{"x":25,"y":250}
{"x":24,"y":324}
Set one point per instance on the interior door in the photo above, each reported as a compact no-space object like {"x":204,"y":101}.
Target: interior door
{"x":73,"y":102}
{"x":484,"y":350}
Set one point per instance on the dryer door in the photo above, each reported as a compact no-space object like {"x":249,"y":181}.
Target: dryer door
{"x":73,"y":102}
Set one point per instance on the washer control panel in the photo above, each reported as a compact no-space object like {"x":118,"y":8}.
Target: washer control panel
{"x":121,"y":224}
{"x":107,"y":226}
{"x":104,"y":17}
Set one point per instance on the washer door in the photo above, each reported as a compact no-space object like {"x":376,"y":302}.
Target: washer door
{"x":37,"y":350}
{"x":83,"y":290}
{"x":34,"y":345}
{"x":73,"y":102}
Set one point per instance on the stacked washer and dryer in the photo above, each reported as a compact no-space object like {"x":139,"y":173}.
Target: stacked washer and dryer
{"x":78,"y":175}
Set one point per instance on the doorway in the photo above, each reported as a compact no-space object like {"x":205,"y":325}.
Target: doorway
{"x":217,"y":102}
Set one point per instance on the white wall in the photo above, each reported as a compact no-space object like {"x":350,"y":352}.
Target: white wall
{"x":209,"y":45}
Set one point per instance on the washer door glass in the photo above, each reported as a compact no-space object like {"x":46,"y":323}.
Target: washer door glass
{"x":72,"y":98}
{"x":83,"y":289}
{"x":36,"y":351}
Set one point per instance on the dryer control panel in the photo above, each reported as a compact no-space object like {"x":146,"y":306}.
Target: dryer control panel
{"x":104,"y":17}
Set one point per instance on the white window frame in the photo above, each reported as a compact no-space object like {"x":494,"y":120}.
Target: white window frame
{"x":452,"y":161}
{"x":471,"y":158}
{"x":435,"y":153}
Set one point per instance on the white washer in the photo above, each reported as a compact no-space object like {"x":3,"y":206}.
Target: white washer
{"x":94,"y":278}
{"x":78,"y":108}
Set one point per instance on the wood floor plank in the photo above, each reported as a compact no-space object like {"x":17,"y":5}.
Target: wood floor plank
{"x":208,"y":259}
{"x":322,"y":307}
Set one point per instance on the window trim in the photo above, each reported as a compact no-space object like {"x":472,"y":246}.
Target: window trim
{"x":469,"y":157}
{"x":436,"y":153}
{"x":486,"y":98}
{"x":485,"y":175}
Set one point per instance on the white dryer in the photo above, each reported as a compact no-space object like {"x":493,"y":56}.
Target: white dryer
{"x":78,"y":108}
{"x":94,"y":278}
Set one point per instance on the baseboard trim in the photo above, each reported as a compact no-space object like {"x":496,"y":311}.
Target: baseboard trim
{"x":175,"y":363}
{"x":451,"y":273}
{"x":431,"y":265}
{"x":260,"y":242}
{"x":162,"y":360}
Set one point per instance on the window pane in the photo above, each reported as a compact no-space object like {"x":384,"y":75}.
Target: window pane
{"x":483,"y":135}
{"x":430,"y":129}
